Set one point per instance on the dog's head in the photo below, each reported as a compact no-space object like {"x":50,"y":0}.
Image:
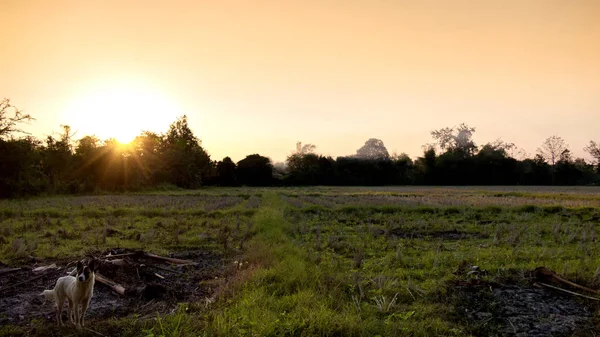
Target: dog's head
{"x":85,"y":273}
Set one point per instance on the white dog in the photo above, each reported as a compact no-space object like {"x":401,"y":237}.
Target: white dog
{"x":77,"y":290}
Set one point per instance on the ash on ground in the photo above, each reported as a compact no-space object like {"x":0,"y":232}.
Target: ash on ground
{"x":516,"y":310}
{"x":146,"y":292}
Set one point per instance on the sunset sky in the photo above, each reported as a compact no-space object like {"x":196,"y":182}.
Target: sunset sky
{"x":257,"y":76}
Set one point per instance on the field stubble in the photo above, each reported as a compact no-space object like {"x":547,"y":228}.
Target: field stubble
{"x":338,"y":261}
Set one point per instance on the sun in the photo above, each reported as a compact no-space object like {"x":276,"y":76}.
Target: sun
{"x":120,"y":111}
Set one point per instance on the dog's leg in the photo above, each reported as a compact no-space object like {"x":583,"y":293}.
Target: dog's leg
{"x":84,"y":307}
{"x":70,"y":312}
{"x":57,"y":315}
{"x":77,"y":315}
{"x":59,"y":308}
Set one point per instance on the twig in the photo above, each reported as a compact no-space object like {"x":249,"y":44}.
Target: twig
{"x":545,"y":273}
{"x":411,"y":294}
{"x":511,"y":324}
{"x":568,"y":291}
{"x":146,"y":304}
{"x":96,"y":332}
{"x":21,"y":283}
{"x":485,"y":322}
{"x":159,"y":276}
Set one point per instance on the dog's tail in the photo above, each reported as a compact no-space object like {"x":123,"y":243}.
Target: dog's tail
{"x":48,"y":294}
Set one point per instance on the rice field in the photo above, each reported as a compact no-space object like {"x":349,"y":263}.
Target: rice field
{"x":390,"y":261}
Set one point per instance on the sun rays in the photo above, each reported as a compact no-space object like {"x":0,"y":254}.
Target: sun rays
{"x":121,"y":111}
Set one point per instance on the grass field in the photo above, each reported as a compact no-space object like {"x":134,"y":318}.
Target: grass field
{"x":402,"y":261}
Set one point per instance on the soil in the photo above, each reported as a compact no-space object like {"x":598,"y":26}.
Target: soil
{"x":145,"y":291}
{"x":518,"y":310}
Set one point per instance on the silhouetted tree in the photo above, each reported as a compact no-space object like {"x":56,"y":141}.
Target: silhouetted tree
{"x":373,"y":149}
{"x":147,"y":153}
{"x":304,"y":149}
{"x":226,"y":172}
{"x":29,"y":166}
{"x":493,"y":165}
{"x":456,"y":139}
{"x":8,"y":123}
{"x":565,"y":171}
{"x":425,"y":167}
{"x":58,"y":161}
{"x":310,"y":169}
{"x":20,"y":168}
{"x":594,"y":150}
{"x":87,"y":160}
{"x":255,"y":170}
{"x":404,"y":168}
{"x":188,"y":161}
{"x":552,"y":148}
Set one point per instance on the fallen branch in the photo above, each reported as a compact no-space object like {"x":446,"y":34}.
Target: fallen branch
{"x":543,"y":273}
{"x":9,"y":270}
{"x":150,"y":255}
{"x":123,"y":255}
{"x":43,"y":268}
{"x":119,"y":263}
{"x":119,"y":289}
{"x":170,"y":259}
{"x":567,"y":291}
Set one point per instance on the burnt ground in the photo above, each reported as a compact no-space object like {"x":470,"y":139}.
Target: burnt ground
{"x":521,"y":309}
{"x":146,"y":293}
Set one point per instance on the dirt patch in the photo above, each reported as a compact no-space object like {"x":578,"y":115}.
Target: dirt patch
{"x":152,"y":286}
{"x":517,"y":310}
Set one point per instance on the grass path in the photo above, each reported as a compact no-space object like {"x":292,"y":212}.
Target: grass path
{"x":287,"y":295}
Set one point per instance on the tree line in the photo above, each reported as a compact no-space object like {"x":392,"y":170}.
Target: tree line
{"x":62,"y":164}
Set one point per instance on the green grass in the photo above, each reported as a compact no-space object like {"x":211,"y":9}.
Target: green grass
{"x":364,"y":262}
{"x":337,"y":273}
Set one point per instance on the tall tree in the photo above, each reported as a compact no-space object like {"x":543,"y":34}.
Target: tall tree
{"x":147,"y":153}
{"x":20,"y":170}
{"x":499,"y":146}
{"x":594,"y":150}
{"x":87,"y":161}
{"x":9,"y":124}
{"x":188,"y":162}
{"x":226,"y":172}
{"x":255,"y":170}
{"x":373,"y":149}
{"x":58,"y":159}
{"x":304,"y":149}
{"x":552,"y":148}
{"x":456,"y":139}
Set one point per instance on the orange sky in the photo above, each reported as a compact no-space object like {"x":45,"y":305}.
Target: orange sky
{"x":257,"y":76}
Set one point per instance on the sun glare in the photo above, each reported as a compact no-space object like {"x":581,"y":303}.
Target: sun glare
{"x":121,"y":112}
